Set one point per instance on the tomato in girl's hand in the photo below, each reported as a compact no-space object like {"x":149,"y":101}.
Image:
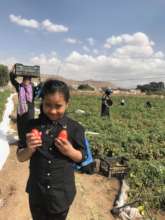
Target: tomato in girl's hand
{"x":36,"y":133}
{"x":63,"y":135}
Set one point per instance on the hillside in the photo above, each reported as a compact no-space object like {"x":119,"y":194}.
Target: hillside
{"x":75,"y":83}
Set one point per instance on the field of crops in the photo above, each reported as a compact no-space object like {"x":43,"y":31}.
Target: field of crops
{"x":133,"y":131}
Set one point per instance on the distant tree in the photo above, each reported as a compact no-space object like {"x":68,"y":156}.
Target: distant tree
{"x":151,"y":87}
{"x":4,"y":75}
{"x":85,"y":87}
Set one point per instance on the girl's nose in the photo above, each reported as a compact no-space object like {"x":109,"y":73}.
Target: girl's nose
{"x":53,"y":111}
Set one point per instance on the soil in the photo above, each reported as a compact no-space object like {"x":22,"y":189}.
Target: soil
{"x":94,"y":199}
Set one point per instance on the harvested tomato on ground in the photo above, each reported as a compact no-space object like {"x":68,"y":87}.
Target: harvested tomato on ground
{"x":36,"y":133}
{"x":63,"y":135}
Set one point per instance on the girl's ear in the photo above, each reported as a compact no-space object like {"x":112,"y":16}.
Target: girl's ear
{"x":67,"y":104}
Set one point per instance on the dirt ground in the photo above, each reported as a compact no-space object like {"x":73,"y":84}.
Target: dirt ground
{"x":93,"y":201}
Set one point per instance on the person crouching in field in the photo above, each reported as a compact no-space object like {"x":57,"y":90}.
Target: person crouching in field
{"x":148,"y":104}
{"x":53,"y":143}
{"x":106,"y":102}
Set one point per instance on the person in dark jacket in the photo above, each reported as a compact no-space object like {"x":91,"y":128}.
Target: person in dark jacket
{"x":106,"y":102}
{"x":51,"y":183}
{"x":148,"y":104}
{"x":26,"y":93}
{"x":122,"y":102}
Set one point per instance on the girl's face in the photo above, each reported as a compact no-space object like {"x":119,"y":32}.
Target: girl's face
{"x":54,"y":106}
{"x":26,"y":82}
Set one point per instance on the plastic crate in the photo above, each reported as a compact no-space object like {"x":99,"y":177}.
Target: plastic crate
{"x":22,"y":70}
{"x":113,"y":167}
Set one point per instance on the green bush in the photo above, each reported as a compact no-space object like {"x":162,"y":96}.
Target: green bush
{"x":4,"y":75}
{"x":85,"y":87}
{"x":3,"y":98}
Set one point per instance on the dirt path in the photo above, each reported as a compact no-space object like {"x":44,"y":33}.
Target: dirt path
{"x":93,"y":201}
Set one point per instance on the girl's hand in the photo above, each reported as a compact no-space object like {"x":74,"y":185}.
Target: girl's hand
{"x":64,"y":146}
{"x":33,"y":141}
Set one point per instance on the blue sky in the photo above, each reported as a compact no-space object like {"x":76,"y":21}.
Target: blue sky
{"x":115,"y":40}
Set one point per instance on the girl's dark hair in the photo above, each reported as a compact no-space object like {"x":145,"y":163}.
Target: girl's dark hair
{"x":27,"y":77}
{"x":52,"y":86}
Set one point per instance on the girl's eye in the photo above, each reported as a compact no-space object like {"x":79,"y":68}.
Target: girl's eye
{"x":48,"y":105}
{"x":57,"y":106}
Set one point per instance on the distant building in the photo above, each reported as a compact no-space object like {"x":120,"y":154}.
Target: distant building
{"x":126,"y":91}
{"x":135,"y":91}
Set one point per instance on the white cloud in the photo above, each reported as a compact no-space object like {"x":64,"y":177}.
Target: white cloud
{"x":108,"y":68}
{"x":91,"y":41}
{"x":72,"y":40}
{"x":136,"y":45}
{"x":49,"y":64}
{"x":52,"y":27}
{"x":128,"y":64}
{"x":134,"y":51}
{"x":138,"y":39}
{"x":77,"y":58}
{"x":31,"y":23}
{"x":159,"y":54}
{"x":42,"y":59}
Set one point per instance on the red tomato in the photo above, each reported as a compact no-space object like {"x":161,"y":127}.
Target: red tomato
{"x":36,"y":133}
{"x":63,"y":135}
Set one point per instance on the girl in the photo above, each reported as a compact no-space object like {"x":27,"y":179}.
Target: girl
{"x":51,"y":184}
{"x":26,"y":93}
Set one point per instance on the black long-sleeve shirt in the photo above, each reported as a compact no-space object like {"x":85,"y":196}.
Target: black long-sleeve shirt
{"x":51,"y":180}
{"x":106,"y":102}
